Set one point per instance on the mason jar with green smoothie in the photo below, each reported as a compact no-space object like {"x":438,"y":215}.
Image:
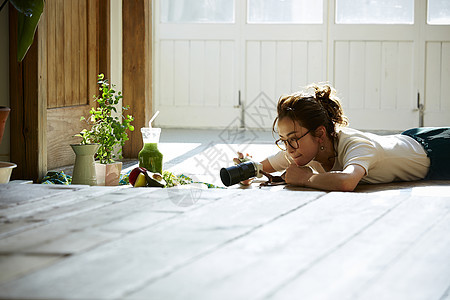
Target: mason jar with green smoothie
{"x":150,"y":157}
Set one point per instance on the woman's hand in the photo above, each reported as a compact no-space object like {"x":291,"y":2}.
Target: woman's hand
{"x":297,"y":175}
{"x":241,"y":158}
{"x":267,"y":167}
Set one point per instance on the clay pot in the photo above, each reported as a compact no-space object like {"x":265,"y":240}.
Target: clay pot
{"x":108,"y":174}
{"x":4,"y":112}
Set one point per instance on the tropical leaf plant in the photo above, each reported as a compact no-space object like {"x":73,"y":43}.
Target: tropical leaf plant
{"x":29,"y":13}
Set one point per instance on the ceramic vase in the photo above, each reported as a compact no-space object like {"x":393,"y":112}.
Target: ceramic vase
{"x":84,"y":168}
{"x":108,"y":174}
{"x":6,"y":169}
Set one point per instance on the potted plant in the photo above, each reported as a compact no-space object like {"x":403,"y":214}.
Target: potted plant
{"x":108,"y":129}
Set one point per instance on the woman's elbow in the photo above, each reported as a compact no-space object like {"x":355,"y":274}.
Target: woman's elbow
{"x":347,"y":185}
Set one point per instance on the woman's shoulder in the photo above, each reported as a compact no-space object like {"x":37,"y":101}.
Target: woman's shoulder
{"x":351,"y":139}
{"x":350,"y":136}
{"x":346,"y":133}
{"x":350,"y":131}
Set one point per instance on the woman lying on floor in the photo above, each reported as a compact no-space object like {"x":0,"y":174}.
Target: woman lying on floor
{"x":318,"y":151}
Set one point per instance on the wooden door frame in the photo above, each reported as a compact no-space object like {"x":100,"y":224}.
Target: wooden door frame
{"x":28,"y":110}
{"x":137,"y":68}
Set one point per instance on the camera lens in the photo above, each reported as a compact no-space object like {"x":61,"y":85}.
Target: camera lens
{"x":237,"y":173}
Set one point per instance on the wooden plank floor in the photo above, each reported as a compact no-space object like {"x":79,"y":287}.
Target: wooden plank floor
{"x":388,"y":241}
{"x":381,"y":242}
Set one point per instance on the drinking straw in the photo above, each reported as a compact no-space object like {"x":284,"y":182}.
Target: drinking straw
{"x":154,"y":117}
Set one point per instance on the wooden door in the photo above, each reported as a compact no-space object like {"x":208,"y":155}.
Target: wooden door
{"x":76,"y":50}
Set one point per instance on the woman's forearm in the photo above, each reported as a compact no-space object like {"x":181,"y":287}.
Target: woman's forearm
{"x":332,"y":181}
{"x":267,"y":167}
{"x":345,"y":180}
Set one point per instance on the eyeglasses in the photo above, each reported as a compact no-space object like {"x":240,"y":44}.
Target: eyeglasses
{"x":292,"y":142}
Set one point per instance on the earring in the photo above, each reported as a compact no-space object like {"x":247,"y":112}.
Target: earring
{"x":322,"y":148}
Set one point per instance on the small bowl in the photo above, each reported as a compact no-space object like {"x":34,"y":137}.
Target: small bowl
{"x":5,"y":171}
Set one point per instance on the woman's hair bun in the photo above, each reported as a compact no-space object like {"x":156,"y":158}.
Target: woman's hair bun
{"x":322,"y":92}
{"x":326,"y":96}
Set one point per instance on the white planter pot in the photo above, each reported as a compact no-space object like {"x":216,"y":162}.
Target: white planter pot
{"x":6,"y":169}
{"x":108,"y":174}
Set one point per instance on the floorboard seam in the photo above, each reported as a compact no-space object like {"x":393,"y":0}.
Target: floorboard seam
{"x":201,"y":255}
{"x":31,"y":224}
{"x":328,"y":253}
{"x":374,"y":279}
{"x":65,"y":255}
{"x":446,"y":294}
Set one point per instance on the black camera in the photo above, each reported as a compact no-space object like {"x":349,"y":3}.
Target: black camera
{"x":240,"y":172}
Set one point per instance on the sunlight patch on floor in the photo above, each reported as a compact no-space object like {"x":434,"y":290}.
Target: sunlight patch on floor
{"x":205,"y":166}
{"x":431,"y":191}
{"x":173,"y":150}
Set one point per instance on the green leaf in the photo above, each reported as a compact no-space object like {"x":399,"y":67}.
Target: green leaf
{"x":30,"y":12}
{"x":26,"y":7}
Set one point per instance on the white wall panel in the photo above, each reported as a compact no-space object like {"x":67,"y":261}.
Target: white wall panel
{"x":166,"y":77}
{"x":316,"y":61}
{"x":193,"y":75}
{"x":342,"y":71}
{"x":268,"y":68}
{"x":212,"y":73}
{"x":284,"y":69}
{"x":377,"y":69}
{"x":375,"y":75}
{"x":181,"y":73}
{"x":276,"y":68}
{"x":445,"y":78}
{"x":406,"y":94}
{"x":356,"y":75}
{"x":437,"y":83}
{"x":253,"y":70}
{"x":389,"y":60}
{"x":260,"y":101}
{"x":432,"y":82}
{"x":299,"y":65}
{"x":374,"y":80}
{"x":197,"y":73}
{"x":372,"y":72}
{"x":228,"y":95}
